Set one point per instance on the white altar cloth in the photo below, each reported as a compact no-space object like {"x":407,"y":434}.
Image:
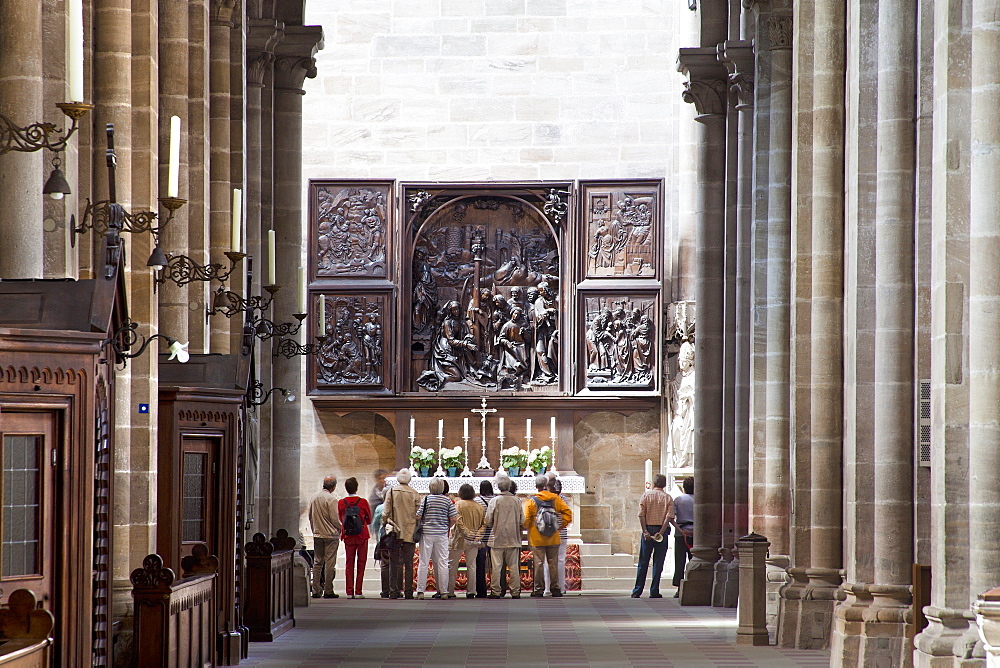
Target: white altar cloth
{"x":571,"y":484}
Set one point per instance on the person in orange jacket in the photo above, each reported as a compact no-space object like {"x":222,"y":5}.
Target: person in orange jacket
{"x":544,"y":513}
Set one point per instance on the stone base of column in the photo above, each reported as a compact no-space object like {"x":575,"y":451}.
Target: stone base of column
{"x":871,"y":626}
{"x":300,"y":582}
{"x":945,"y":639}
{"x":698,"y":583}
{"x":732,"y":595}
{"x":805,"y":618}
{"x":725,"y":588}
{"x":777,"y":577}
{"x":987,"y":611}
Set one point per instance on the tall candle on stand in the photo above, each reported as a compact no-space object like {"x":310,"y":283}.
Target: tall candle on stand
{"x":501,"y":427}
{"x":174,"y":157}
{"x":465,"y":433}
{"x":552,"y":427}
{"x":74,"y":49}
{"x":527,"y":428}
{"x":413,"y":428}
{"x":302,"y":290}
{"x":271,"y":260}
{"x":237,"y":237}
{"x":440,"y":428}
{"x":649,"y":473}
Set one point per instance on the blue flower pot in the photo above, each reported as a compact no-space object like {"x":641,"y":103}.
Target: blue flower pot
{"x":425,"y":472}
{"x":513,"y":471}
{"x":452,"y":471}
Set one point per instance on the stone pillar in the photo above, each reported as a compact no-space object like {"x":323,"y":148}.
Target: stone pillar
{"x":294,"y":61}
{"x":220,"y":171}
{"x":984,"y":301}
{"x":948,"y":632}
{"x":173,"y":78}
{"x":707,"y":89}
{"x":752,"y":615}
{"x":21,"y":174}
{"x":198,"y":165}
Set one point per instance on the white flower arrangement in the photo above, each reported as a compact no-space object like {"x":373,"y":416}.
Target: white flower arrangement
{"x":513,"y":457}
{"x":539,"y":460}
{"x":423,"y":457}
{"x":452,"y":457}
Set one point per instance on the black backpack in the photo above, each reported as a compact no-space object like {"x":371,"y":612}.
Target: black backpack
{"x":353,"y":526}
{"x":546,"y":517}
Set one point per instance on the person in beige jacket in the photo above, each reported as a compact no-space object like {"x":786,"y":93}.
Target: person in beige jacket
{"x":506,"y":515}
{"x":463,"y":534}
{"x":324,"y":520}
{"x":400,"y":512}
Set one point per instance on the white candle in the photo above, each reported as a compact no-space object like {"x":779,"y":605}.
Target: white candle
{"x":466,"y":428}
{"x":271,"y":259}
{"x":413,"y":428}
{"x":302,"y":290}
{"x":440,"y":428}
{"x":649,"y":473}
{"x":321,"y":325}
{"x":501,"y":427}
{"x":174,"y":157}
{"x":552,"y":426}
{"x":236,"y":243}
{"x":527,"y":428}
{"x":74,"y":49}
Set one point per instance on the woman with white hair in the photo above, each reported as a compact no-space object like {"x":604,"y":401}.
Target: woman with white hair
{"x":436,"y":515}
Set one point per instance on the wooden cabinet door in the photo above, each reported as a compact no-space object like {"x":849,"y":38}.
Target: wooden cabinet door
{"x":28,"y":522}
{"x":198,"y":494}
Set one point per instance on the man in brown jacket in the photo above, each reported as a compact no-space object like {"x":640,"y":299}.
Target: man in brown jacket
{"x":545,"y":547}
{"x":505,"y":515}
{"x":400,"y":512}
{"x":325,"y":523}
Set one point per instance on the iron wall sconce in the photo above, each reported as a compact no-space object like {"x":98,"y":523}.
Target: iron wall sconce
{"x":127,"y":336}
{"x":182,"y":270}
{"x":289,"y":348}
{"x":257,"y":396}
{"x":228,"y":303}
{"x":97,"y":216}
{"x":38,"y":136}
{"x":265,"y":329}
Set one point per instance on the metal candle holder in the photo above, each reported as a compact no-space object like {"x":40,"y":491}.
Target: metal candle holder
{"x":554,"y":469}
{"x":466,"y":473}
{"x":413,"y":464}
{"x":440,"y":471}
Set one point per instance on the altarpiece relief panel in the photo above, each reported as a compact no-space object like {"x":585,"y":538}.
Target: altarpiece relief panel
{"x":622,"y":223}
{"x":485,"y":311}
{"x":351,"y":223}
{"x":352,"y":353}
{"x":620,"y":341}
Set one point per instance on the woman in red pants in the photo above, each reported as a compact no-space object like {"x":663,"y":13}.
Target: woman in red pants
{"x":355,"y":516}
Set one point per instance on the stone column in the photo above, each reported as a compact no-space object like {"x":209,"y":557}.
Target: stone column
{"x":220,"y":172}
{"x":21,"y":174}
{"x":707,"y":89}
{"x":948,"y":615}
{"x":808,"y":600}
{"x":173,"y":78}
{"x":294,"y":61}
{"x":198,"y":163}
{"x":984,"y":301}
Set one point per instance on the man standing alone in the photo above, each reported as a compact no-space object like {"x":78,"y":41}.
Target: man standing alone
{"x":544,"y":513}
{"x":325,"y":523}
{"x":656,"y":512}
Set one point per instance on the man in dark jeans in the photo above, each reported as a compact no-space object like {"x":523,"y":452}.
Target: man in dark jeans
{"x":684,"y":521}
{"x":656,"y":512}
{"x":483,"y":558}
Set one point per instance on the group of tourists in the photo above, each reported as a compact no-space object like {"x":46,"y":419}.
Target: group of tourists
{"x":485,"y":528}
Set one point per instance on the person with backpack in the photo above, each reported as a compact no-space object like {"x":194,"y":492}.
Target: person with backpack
{"x":355,"y":516}
{"x":544,"y":513}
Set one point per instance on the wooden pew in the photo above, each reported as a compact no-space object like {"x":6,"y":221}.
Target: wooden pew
{"x":175,"y":620}
{"x":25,"y":632}
{"x":269,"y":609}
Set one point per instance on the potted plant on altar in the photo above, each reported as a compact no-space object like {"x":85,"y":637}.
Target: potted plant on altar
{"x":423,"y":460}
{"x":452,"y":460}
{"x":540,"y":460}
{"x":514,"y":459}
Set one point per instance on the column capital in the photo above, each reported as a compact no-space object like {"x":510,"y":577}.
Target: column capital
{"x":295,"y":57}
{"x":257,"y":67}
{"x":708,"y":81}
{"x":778,"y":31}
{"x":738,"y":59}
{"x":222,"y":11}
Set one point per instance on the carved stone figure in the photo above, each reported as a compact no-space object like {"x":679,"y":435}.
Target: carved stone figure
{"x":546,"y":328}
{"x":682,"y":409}
{"x":622,"y":239}
{"x":511,"y":351}
{"x":351,"y":228}
{"x":424,"y":293}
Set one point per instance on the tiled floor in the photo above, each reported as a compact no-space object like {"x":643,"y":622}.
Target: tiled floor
{"x":576,"y":630}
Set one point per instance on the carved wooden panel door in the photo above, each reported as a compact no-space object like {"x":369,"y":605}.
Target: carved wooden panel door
{"x":198,"y":494}
{"x":28,"y":526}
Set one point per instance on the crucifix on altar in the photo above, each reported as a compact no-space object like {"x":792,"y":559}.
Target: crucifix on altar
{"x":483,"y":468}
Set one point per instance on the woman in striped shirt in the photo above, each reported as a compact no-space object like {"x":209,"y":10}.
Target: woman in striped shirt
{"x":436,"y":514}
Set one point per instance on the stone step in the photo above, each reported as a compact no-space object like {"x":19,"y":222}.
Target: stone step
{"x":588,"y":549}
{"x":607,"y":560}
{"x":601,"y":572}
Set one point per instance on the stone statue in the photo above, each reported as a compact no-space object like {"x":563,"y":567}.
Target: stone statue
{"x":425,"y":293}
{"x":682,"y":409}
{"x":546,"y":332}
{"x":453,"y":350}
{"x":511,"y":351}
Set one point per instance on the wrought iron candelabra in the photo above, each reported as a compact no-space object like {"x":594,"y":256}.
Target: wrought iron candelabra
{"x":127,"y":336}
{"x":258,"y":397}
{"x":38,"y":136}
{"x":228,"y":303}
{"x":98,"y":216}
{"x":265,"y":329}
{"x":182,"y":270}
{"x":289,"y":348}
